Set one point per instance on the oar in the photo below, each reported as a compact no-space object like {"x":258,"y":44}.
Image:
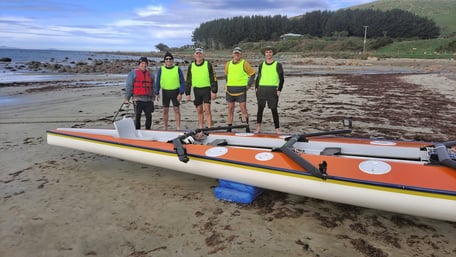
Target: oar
{"x":220,"y":128}
{"x":118,"y":111}
{"x":303,"y":137}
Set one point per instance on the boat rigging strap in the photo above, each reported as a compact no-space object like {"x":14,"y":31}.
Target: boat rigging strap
{"x":287,"y":150}
{"x":181,"y":151}
{"x":441,"y":149}
{"x":188,"y":138}
{"x":303,"y":137}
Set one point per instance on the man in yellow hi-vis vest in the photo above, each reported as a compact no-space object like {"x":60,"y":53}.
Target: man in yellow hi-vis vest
{"x":269,"y":84}
{"x":240,"y":76}
{"x":201,"y":76}
{"x":171,"y":80}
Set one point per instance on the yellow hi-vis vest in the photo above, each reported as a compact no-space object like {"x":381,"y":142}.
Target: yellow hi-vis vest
{"x":200,"y":75}
{"x":237,"y":77}
{"x":269,"y":75}
{"x":169,"y":78}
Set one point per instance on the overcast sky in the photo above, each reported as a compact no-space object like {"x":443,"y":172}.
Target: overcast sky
{"x":138,"y":25}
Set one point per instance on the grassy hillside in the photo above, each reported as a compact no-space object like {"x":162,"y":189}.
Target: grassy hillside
{"x":420,"y":49}
{"x":352,"y":47}
{"x":442,"y":12}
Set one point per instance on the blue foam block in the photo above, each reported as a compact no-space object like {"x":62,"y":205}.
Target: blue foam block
{"x":239,"y":186}
{"x":233,"y":195}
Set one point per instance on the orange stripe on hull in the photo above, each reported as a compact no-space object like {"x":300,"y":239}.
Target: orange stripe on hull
{"x":402,"y":174}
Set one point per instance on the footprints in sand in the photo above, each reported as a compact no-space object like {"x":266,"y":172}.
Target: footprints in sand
{"x":19,"y":182}
{"x":33,"y":141}
{"x":36,"y":176}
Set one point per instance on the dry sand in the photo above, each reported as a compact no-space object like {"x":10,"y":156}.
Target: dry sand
{"x":61,"y":202}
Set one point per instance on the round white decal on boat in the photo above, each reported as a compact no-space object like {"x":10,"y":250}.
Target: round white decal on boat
{"x":216,"y":151}
{"x":264,"y":156}
{"x":382,"y":143}
{"x":375,"y":167}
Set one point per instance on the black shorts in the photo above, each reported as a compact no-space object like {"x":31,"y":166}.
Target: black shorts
{"x":236,"y":94}
{"x":202,"y":95}
{"x":168,"y":96}
{"x":267,"y":95}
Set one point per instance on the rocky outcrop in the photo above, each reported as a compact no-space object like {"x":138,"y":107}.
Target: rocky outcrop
{"x":92,"y":66}
{"x":5,"y":59}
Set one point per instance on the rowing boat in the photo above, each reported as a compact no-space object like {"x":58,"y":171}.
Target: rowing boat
{"x":409,"y":177}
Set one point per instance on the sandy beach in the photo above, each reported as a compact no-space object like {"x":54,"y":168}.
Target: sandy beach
{"x":62,"y":202}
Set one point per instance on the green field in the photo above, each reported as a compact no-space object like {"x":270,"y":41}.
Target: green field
{"x":442,"y":12}
{"x":422,"y":49}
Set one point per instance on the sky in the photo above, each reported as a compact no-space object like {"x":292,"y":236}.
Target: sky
{"x":137,"y":26}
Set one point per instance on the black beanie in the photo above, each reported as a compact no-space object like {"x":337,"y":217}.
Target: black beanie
{"x":143,"y":59}
{"x":168,"y":54}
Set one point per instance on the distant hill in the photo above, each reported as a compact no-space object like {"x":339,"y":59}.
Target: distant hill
{"x":442,"y":12}
{"x":7,"y":47}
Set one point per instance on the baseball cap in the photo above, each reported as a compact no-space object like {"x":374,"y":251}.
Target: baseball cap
{"x":199,"y":50}
{"x":237,"y":50}
{"x":143,"y":59}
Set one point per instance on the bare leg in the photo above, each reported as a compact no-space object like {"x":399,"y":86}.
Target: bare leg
{"x":165,"y":117}
{"x":245,"y":114}
{"x":199,"y":110}
{"x":177,"y":115}
{"x":230,"y":112}
{"x":207,"y":110}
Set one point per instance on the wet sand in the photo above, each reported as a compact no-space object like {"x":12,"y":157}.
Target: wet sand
{"x":61,"y":202}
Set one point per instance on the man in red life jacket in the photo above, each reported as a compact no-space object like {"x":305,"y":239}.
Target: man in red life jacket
{"x":140,"y":87}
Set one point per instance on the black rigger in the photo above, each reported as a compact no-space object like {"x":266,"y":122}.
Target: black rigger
{"x":181,"y":151}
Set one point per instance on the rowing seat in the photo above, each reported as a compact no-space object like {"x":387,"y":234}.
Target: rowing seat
{"x":126,"y":128}
{"x":331,"y":151}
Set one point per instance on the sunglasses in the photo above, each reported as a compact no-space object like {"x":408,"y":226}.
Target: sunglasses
{"x":167,"y":59}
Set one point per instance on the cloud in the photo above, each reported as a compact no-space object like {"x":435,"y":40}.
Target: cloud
{"x":149,"y":11}
{"x":93,"y":25}
{"x":235,"y":7}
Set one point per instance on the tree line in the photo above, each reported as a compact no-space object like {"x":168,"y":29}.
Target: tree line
{"x":396,"y":23}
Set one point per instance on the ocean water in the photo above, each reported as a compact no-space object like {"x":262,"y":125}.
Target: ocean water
{"x":15,"y":71}
{"x":58,"y":56}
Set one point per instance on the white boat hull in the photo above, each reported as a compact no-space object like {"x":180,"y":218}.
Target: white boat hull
{"x":387,"y":199}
